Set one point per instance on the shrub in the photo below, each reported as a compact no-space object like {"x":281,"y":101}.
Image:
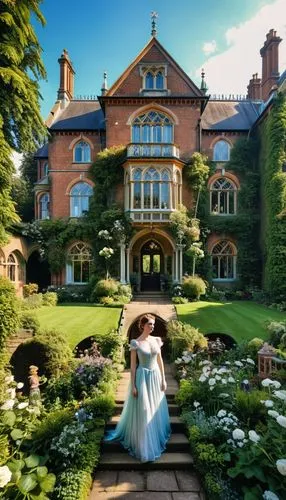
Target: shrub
{"x":180,"y":300}
{"x":276,"y":330}
{"x":71,"y":293}
{"x":105,"y":288}
{"x":248,"y":407}
{"x":50,"y":299}
{"x":106,"y":301}
{"x":183,"y":337}
{"x":125,"y":291}
{"x":101,"y":406}
{"x":253,"y":346}
{"x":29,"y":321}
{"x":30,"y":289}
{"x":9,"y":310}
{"x":50,"y":427}
{"x":122,"y":299}
{"x":194,"y":287}
{"x":34,"y":301}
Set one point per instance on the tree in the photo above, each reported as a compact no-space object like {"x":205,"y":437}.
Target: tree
{"x":21,"y":125}
{"x":22,"y":192}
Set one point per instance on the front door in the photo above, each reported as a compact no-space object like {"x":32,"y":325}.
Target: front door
{"x":151,"y":266}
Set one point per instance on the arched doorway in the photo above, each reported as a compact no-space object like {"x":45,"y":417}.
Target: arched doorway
{"x":160,"y":330}
{"x":38,"y":271}
{"x":151,"y":266}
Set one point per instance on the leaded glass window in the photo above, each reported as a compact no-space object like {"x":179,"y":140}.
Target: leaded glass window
{"x":153,"y":127}
{"x":221,"y":151}
{"x":44,"y":204}
{"x":224,"y":260}
{"x":223,"y":197}
{"x":151,"y":189}
{"x":82,"y":153}
{"x":79,"y":199}
{"x":79,"y":263}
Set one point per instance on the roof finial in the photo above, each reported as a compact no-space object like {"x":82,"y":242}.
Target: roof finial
{"x":154,"y":16}
{"x":104,"y":87}
{"x":204,"y":87}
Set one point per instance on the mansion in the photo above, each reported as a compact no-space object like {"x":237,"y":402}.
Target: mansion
{"x":162,"y":117}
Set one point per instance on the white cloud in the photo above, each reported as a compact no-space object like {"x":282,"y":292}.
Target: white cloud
{"x":230,"y":71}
{"x":209,"y":47}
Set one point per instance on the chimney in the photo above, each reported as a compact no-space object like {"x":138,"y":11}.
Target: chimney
{"x":66,"y":88}
{"x":270,"y":66}
{"x":254,"y":88}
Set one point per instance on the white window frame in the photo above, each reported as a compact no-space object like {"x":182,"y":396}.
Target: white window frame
{"x":224,"y":159}
{"x":42,"y":210}
{"x":80,"y":198}
{"x":222,"y":190}
{"x":224,"y":255}
{"x":81,"y":144}
{"x":83,"y":251}
{"x":143,"y":120}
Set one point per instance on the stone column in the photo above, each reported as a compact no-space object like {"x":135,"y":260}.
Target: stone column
{"x":180,"y":248}
{"x":176,"y":277}
{"x":128,"y":265}
{"x":122,"y":263}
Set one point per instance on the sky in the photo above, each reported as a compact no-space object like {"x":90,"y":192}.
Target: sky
{"x":222,"y":36}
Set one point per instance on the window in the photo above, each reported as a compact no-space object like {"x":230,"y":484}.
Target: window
{"x":223,"y":261}
{"x":45,"y":169}
{"x":79,"y":263}
{"x":11,"y":267}
{"x":223,"y":195}
{"x":151,"y":189}
{"x":153,"y":79}
{"x":79,"y":199}
{"x":221,"y":151}
{"x":44,"y":203}
{"x":153,"y":127}
{"x":82,"y":152}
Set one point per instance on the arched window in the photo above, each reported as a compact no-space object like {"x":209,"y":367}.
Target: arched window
{"x":45,"y":169}
{"x":44,"y":203}
{"x":82,"y":152}
{"x":152,"y":127}
{"x":223,"y":257}
{"x":159,"y":80}
{"x":78,"y":264}
{"x":221,"y":151}
{"x":149,"y":80}
{"x":11,"y":267}
{"x":79,"y":199}
{"x":151,"y":189}
{"x":153,"y":79}
{"x":223,"y":197}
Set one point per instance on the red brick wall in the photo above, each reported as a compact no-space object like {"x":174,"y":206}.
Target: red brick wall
{"x":209,"y":139}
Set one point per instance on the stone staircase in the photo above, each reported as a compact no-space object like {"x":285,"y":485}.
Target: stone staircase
{"x":171,"y":477}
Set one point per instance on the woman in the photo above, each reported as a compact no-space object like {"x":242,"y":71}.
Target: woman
{"x":144,"y":426}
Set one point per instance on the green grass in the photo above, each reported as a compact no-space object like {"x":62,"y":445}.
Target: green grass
{"x":79,"y":321}
{"x":240,"y":319}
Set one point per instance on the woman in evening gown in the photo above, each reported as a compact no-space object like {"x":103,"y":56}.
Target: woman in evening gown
{"x":144,"y":426}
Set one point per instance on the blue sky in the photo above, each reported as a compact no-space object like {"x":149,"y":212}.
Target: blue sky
{"x":107,"y":36}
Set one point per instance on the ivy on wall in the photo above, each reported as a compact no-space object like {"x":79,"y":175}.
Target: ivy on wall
{"x":272,"y":160}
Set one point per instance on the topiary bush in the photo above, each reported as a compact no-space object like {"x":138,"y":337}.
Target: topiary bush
{"x":29,"y":321}
{"x":183,"y":336}
{"x":194,"y":287}
{"x":50,"y":299}
{"x":105,"y":288}
{"x":9,"y":310}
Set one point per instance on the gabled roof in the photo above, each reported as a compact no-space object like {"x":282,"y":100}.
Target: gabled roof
{"x":195,"y":91}
{"x":80,"y":115}
{"x":229,"y":115}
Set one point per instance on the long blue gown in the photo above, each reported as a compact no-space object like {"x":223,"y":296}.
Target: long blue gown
{"x":144,"y":425}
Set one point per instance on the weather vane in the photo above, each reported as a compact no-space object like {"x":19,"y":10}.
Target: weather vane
{"x":154,"y":16}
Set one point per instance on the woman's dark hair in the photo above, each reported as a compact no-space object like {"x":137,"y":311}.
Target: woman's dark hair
{"x":144,"y":319}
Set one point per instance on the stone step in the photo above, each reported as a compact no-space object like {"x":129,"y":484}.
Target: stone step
{"x":167,"y":461}
{"x":121,"y":396}
{"x":178,"y":442}
{"x":173,"y":409}
{"x":176,"y":423}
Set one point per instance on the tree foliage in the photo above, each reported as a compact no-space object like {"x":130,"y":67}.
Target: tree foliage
{"x":21,"y":125}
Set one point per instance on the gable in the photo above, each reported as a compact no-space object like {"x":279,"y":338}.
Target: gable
{"x":155,"y":57}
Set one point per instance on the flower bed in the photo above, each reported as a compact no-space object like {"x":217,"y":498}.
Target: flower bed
{"x":235,"y":425}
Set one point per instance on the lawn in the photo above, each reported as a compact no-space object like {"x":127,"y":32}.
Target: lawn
{"x":79,"y":321}
{"x":240,"y":319}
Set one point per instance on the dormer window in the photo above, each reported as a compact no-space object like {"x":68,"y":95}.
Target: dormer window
{"x":154,"y":77}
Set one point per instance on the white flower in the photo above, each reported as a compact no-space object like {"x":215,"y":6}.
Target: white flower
{"x":9,"y":379}
{"x":238,"y":434}
{"x":273,"y":413}
{"x":21,"y":406}
{"x":212,"y":381}
{"x":253,"y":436}
{"x":250,"y":361}
{"x":280,"y":395}
{"x":205,"y":362}
{"x":240,"y":444}
{"x":218,"y":377}
{"x":227,"y":363}
{"x":221,"y":413}
{"x":231,"y":379}
{"x":12,"y":392}
{"x":196,"y":404}
{"x":206,"y":370}
{"x":202,"y":378}
{"x":5,"y":476}
{"x":223,"y":381}
{"x":20,"y":385}
{"x":268,"y":403}
{"x":238,"y":363}
{"x":269,"y":495}
{"x":178,"y":361}
{"x":245,"y":381}
{"x":214,"y":371}
{"x":276,"y":384}
{"x":8,"y":405}
{"x":223,"y":395}
{"x":281,"y":421}
{"x":266,"y":382}
{"x":281,"y":466}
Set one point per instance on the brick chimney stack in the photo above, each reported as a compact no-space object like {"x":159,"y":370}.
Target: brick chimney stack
{"x":269,"y":54}
{"x":66,"y":88}
{"x":254,"y":88}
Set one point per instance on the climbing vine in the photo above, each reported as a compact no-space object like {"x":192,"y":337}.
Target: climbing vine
{"x":272,"y":159}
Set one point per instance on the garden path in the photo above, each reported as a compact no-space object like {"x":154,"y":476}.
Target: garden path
{"x":120,"y":476}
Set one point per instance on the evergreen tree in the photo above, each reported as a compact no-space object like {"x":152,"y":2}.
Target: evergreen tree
{"x":21,"y":125}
